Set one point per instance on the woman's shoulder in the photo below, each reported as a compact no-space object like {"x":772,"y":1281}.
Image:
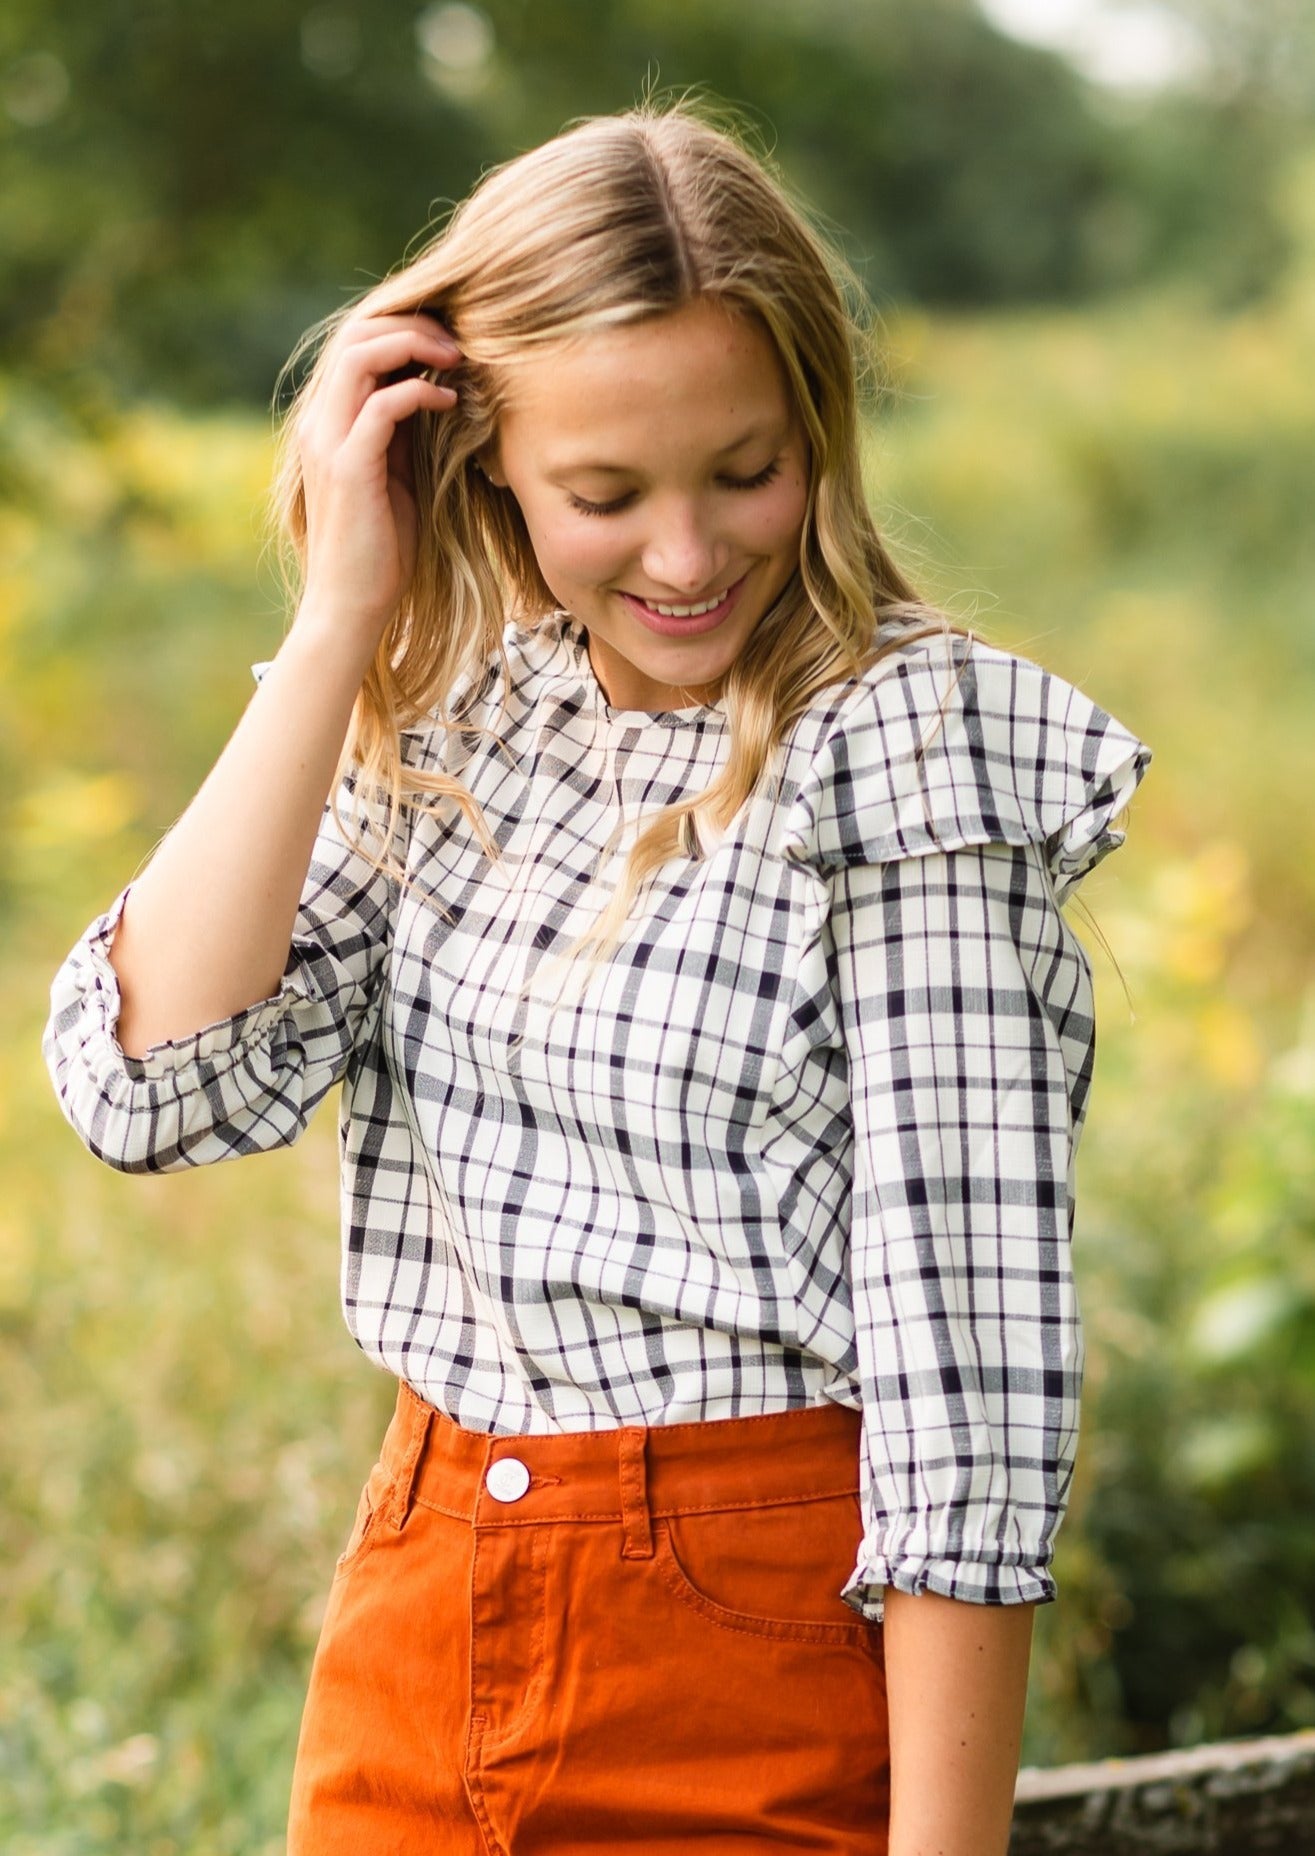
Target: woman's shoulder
{"x":946,"y":741}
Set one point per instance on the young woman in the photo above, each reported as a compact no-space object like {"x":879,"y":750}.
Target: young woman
{"x":678,"y":899}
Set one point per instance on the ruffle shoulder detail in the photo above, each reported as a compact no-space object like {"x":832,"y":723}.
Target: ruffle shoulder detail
{"x":948,"y":741}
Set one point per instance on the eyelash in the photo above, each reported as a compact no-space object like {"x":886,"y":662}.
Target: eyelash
{"x":764,"y":476}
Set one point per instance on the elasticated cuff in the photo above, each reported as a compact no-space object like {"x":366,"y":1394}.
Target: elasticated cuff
{"x":977,"y":1582}
{"x":176,"y":1061}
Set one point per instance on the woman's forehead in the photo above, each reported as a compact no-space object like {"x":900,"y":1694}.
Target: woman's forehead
{"x":713,"y":373}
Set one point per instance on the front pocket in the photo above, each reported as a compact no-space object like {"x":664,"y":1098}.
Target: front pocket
{"x":773,"y":1571}
{"x":369,"y":1503}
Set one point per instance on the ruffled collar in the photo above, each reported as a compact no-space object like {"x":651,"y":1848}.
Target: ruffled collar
{"x":574,"y":638}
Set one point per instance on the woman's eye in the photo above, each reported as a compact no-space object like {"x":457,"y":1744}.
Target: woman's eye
{"x":755,"y":482}
{"x":596,"y":509}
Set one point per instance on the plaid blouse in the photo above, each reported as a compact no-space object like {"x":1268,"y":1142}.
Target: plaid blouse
{"x":810,"y":1135}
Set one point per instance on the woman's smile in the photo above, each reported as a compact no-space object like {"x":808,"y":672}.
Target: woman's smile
{"x":686,"y":620}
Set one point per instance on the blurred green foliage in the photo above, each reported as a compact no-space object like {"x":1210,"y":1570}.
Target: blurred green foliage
{"x":155,"y":243}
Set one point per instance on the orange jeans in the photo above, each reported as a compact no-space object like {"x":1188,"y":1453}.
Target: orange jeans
{"x":627,"y":1639}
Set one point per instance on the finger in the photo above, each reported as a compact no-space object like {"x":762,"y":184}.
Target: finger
{"x":385,"y":354}
{"x":363,"y":369}
{"x":422,"y":323}
{"x":386,"y":408}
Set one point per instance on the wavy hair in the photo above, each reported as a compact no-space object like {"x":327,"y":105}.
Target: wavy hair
{"x":617,"y":219}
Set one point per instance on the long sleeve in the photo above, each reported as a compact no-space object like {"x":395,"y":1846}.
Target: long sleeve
{"x":250,"y":1082}
{"x":967,"y":1009}
{"x":955,"y":803}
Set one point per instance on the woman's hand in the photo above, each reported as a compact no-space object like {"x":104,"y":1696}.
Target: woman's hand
{"x":355,"y":444}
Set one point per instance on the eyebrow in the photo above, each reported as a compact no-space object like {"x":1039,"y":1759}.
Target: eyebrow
{"x":573,"y":467}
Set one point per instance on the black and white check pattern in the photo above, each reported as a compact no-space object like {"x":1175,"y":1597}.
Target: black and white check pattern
{"x":810,"y":1135}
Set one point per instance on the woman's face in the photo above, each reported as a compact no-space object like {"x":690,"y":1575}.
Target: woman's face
{"x":659,"y":465}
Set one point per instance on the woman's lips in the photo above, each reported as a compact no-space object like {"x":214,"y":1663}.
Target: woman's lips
{"x":669,"y":626}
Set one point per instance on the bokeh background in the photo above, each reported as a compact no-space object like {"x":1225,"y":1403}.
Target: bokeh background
{"x":1089,"y":230}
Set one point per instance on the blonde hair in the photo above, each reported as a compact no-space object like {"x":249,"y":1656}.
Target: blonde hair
{"x":617,"y":219}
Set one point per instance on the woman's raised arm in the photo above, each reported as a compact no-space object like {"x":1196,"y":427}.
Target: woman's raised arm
{"x":207,"y":928}
{"x":212,"y":1005}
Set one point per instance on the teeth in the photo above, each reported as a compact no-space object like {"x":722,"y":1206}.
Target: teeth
{"x":686,"y":612}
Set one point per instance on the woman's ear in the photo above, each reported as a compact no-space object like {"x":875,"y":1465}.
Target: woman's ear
{"x":489,"y":464}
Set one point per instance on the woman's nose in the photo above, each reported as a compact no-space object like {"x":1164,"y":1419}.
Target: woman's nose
{"x":682,"y":555}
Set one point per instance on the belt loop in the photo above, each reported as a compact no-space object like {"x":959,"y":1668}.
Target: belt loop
{"x":638,"y":1541}
{"x":418,"y":1418}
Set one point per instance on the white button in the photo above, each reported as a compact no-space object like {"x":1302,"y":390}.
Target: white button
{"x":507,"y":1479}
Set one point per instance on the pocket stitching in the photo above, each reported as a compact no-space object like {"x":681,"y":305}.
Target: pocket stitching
{"x":797,"y":1631}
{"x":352,"y":1557}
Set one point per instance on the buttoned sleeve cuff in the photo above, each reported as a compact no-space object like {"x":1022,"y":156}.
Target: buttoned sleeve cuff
{"x":977,"y":1582}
